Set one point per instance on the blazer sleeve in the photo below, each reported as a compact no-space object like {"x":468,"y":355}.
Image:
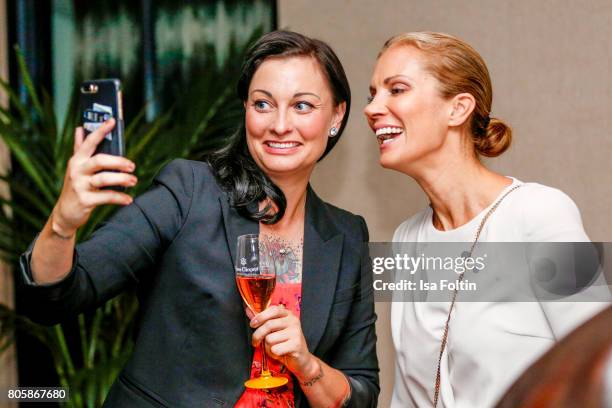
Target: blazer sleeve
{"x":355,"y":354}
{"x":118,"y":255}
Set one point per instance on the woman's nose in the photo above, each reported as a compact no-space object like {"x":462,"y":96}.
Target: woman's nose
{"x":282,"y":124}
{"x":374,"y":108}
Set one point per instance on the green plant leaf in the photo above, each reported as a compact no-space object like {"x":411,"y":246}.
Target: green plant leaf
{"x":93,"y":339}
{"x":12,"y":322}
{"x":31,"y":167}
{"x":16,"y":104}
{"x":134,"y":124}
{"x":63,"y":347}
{"x":145,"y":139}
{"x":27,"y":81}
{"x":32,"y":219}
{"x":23,"y":195}
{"x":48,"y":117}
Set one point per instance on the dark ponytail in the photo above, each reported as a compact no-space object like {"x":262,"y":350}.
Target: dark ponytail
{"x":233,"y":166}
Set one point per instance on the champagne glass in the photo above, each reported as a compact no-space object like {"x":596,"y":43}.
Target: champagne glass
{"x":256,"y":279}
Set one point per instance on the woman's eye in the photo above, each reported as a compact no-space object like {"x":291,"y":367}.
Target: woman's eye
{"x":261,"y":105}
{"x":395,"y":90}
{"x":370,"y":98}
{"x":303,"y":106}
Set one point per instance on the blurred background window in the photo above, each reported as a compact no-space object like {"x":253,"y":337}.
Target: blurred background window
{"x":156,"y":47}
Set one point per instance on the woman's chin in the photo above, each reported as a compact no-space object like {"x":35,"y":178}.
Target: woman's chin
{"x":387,"y":161}
{"x":281,"y":169}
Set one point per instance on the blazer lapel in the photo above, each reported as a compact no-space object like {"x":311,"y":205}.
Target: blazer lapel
{"x":235,"y":225}
{"x":321,"y":263}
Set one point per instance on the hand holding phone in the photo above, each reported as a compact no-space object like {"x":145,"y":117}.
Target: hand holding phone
{"x":97,"y":166}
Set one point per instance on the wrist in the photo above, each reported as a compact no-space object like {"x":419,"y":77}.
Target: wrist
{"x":312,"y":372}
{"x":59,"y":229}
{"x":347,"y":394}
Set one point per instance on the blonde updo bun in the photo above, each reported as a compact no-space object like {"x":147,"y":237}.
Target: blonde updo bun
{"x":496,"y":139}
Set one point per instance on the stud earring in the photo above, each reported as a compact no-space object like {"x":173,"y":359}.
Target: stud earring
{"x":333,"y":132}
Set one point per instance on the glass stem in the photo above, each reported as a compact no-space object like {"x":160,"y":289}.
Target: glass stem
{"x":264,"y":361}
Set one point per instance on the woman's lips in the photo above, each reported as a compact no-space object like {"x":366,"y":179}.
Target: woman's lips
{"x":281,"y":147}
{"x":388,"y":134}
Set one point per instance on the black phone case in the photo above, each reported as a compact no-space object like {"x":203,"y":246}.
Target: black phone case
{"x":100,"y":99}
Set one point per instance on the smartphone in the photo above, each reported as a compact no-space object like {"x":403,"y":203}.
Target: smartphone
{"x":100,"y":100}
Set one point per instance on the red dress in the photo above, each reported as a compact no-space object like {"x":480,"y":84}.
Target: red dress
{"x":290,"y":296}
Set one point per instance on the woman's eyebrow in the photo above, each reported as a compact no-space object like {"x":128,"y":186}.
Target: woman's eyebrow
{"x":297,"y":95}
{"x":262,"y":91}
{"x":391,"y":78}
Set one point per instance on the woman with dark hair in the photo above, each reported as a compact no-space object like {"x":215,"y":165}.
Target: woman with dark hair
{"x":176,"y":243}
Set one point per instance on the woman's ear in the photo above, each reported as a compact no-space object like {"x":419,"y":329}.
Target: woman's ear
{"x":339,"y":113}
{"x":463,"y":105}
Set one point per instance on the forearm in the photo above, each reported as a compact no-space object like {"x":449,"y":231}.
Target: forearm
{"x":52,"y":253}
{"x":324,"y":386}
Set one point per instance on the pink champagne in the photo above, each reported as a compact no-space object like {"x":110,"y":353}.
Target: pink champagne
{"x":256,"y":291}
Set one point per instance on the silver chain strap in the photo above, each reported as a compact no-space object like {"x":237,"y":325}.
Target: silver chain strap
{"x":465,"y":254}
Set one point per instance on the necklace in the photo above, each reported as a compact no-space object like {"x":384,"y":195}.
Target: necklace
{"x":465,"y":254}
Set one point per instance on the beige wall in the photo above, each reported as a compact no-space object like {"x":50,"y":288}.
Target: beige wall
{"x":8,"y":365}
{"x":550,"y":63}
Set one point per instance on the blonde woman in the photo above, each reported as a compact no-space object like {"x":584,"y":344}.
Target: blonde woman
{"x":430,"y":109}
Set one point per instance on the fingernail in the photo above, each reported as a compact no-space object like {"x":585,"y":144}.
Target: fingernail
{"x":254,"y":322}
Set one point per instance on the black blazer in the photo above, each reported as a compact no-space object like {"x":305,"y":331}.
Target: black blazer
{"x":177,"y":243}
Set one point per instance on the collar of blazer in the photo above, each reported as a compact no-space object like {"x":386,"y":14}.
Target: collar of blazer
{"x":321,"y":263}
